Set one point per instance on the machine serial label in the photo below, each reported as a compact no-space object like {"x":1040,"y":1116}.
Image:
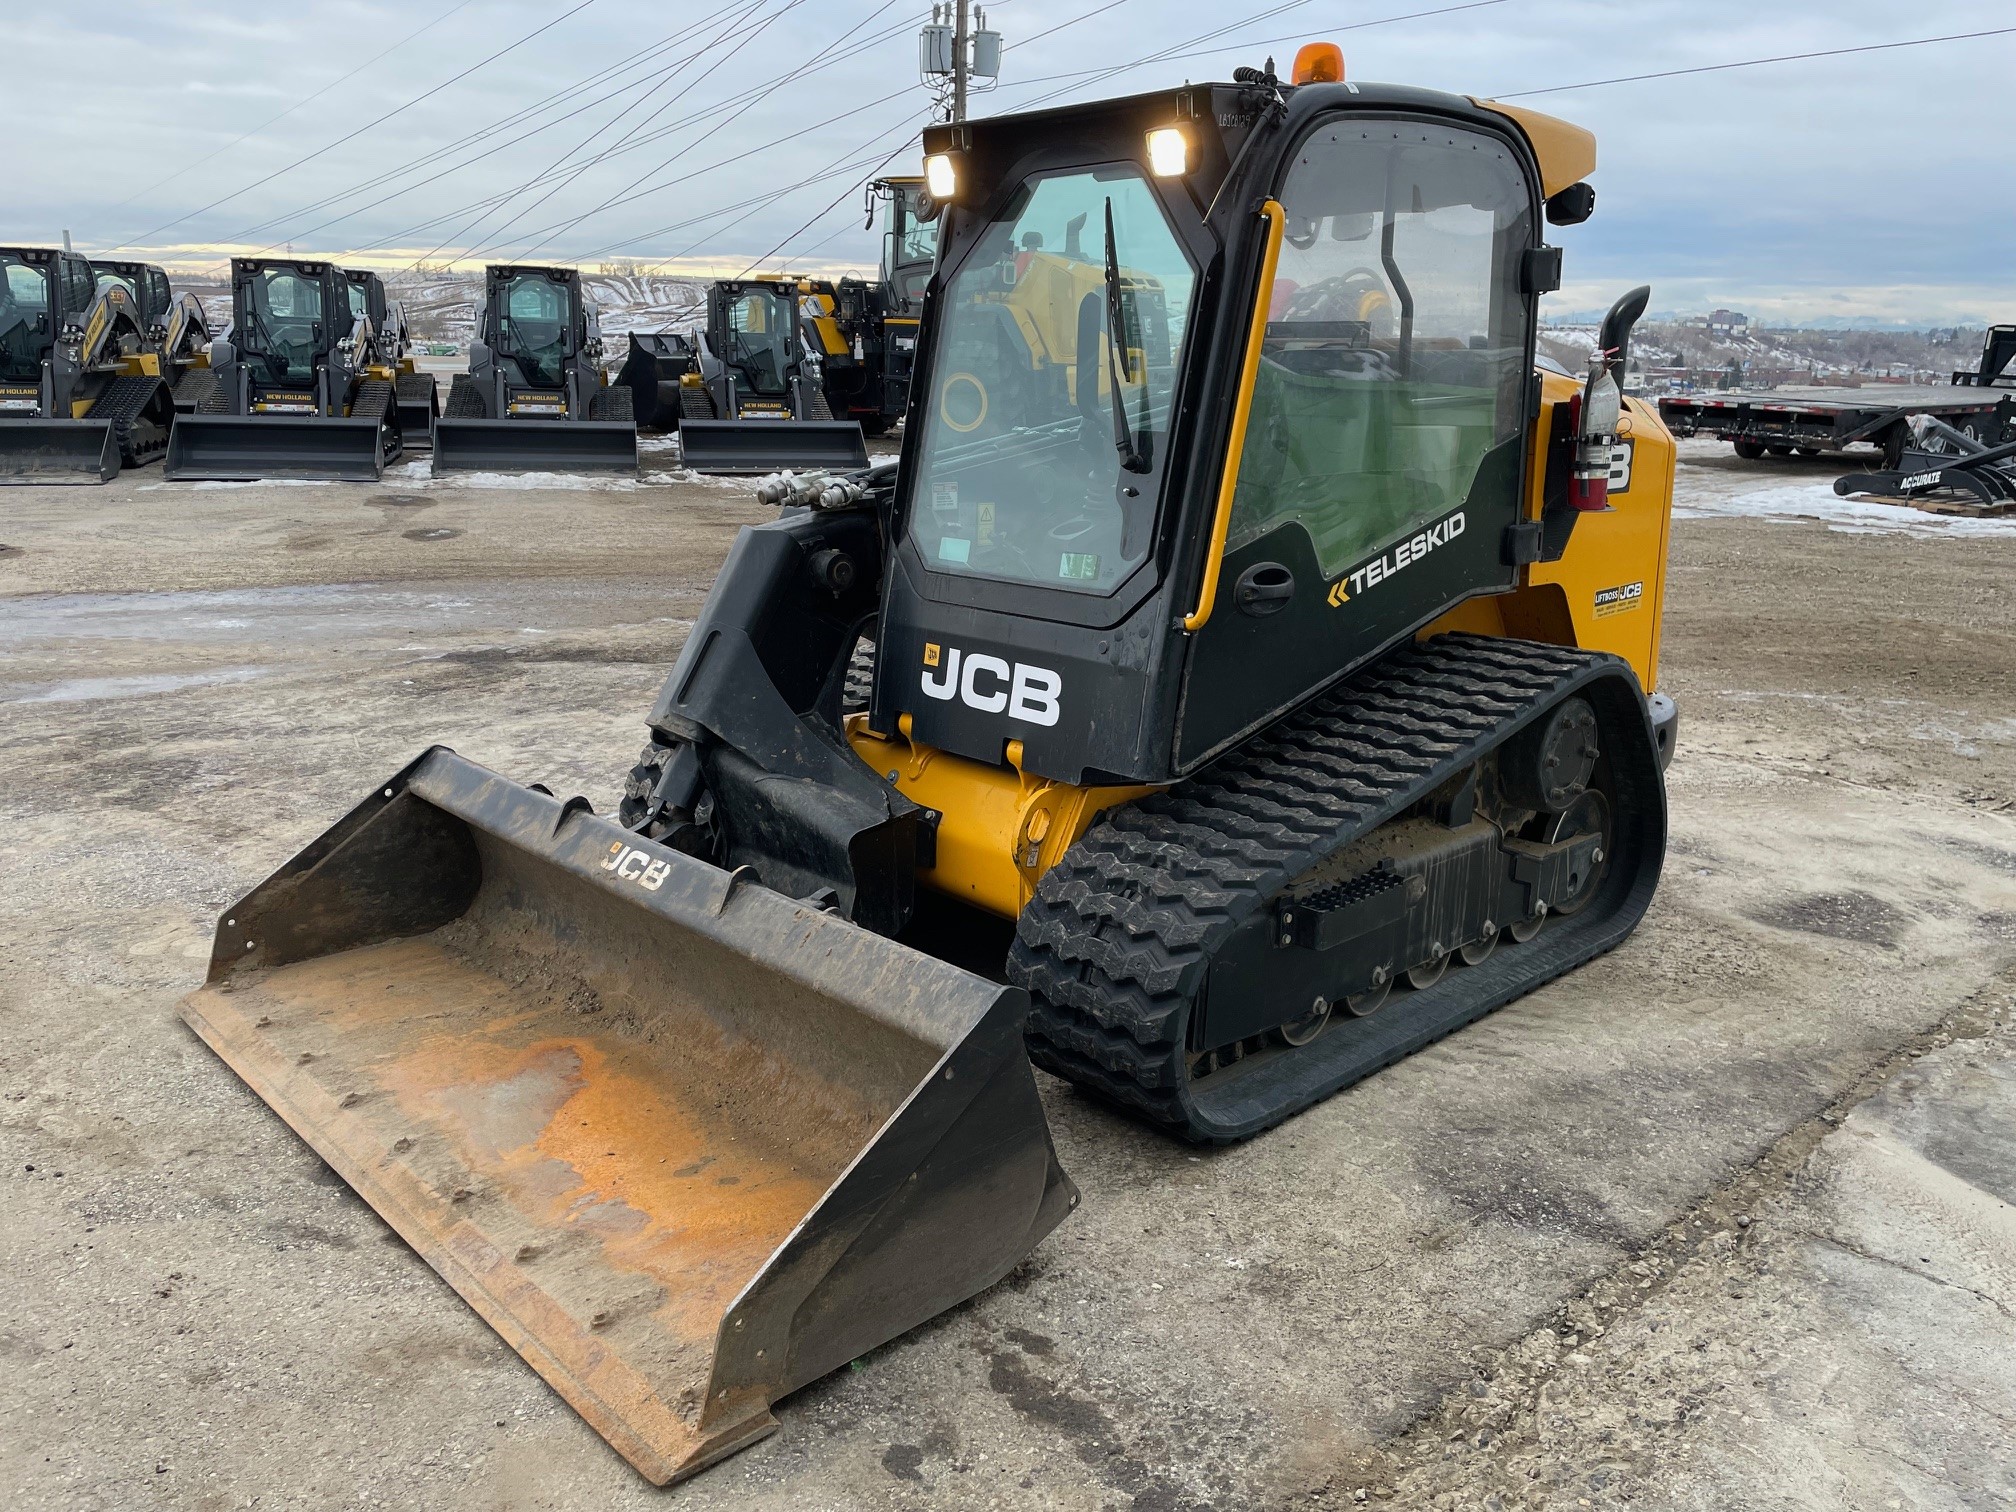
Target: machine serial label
{"x":632,"y":865}
{"x":1619,"y":600}
{"x":1401,"y":556}
{"x":989,"y":684}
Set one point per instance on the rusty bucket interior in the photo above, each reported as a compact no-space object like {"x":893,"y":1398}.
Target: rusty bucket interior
{"x":687,"y":1144}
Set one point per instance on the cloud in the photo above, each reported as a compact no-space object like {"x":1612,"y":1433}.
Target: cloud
{"x":1813,"y":187}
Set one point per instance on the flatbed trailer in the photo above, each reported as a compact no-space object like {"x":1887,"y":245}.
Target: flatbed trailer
{"x":1811,"y":421}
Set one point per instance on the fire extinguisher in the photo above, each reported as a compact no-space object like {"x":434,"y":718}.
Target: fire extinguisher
{"x":1593,"y":418}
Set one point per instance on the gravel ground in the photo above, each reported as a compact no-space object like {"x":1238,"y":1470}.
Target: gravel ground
{"x":1721,"y":1221}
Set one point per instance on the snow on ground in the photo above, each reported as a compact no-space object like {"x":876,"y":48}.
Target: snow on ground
{"x":1818,"y":501}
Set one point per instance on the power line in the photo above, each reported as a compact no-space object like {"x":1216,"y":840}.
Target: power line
{"x":828,"y":208}
{"x":462,"y":5}
{"x":1830,"y":52}
{"x":559,"y":178}
{"x":501,"y":124}
{"x":352,"y":135}
{"x":756,"y":92}
{"x":1168,"y":55}
{"x":725,"y":120}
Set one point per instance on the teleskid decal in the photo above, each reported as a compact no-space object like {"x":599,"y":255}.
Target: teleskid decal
{"x":1397,"y":558}
{"x":632,"y":865}
{"x":989,"y":684}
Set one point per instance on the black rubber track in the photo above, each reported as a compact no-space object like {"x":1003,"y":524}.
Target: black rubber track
{"x":614,"y":402}
{"x":124,"y":404}
{"x":378,"y":400}
{"x":465,"y":400}
{"x":1120,"y":935}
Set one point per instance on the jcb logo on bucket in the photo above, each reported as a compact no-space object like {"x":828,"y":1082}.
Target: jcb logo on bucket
{"x":632,"y":865}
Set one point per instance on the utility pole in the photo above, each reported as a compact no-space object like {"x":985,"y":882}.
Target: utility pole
{"x":958,"y":45}
{"x":961,"y":62}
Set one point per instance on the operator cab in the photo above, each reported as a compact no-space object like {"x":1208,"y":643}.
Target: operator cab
{"x":1086,"y":377}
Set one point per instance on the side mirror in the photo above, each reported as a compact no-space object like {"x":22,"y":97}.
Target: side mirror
{"x":1571,"y":206}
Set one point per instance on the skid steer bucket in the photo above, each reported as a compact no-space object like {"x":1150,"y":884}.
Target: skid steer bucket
{"x":652,"y":368}
{"x":685,"y":1143}
{"x":761,"y":446}
{"x":516,"y":446}
{"x":58,"y":451}
{"x":240,"y":447}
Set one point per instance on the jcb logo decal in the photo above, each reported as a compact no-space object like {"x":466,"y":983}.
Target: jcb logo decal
{"x":989,"y":684}
{"x":632,"y":865}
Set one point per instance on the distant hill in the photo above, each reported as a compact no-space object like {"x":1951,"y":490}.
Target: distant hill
{"x":1668,"y":355}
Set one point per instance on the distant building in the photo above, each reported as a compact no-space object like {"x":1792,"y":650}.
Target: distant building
{"x":1726,"y":323}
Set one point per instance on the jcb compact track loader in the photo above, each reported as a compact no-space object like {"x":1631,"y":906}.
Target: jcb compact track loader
{"x":1264,"y":694}
{"x":865,"y":331}
{"x":302,"y":388}
{"x":536,"y":398}
{"x":752,"y":401}
{"x":81,"y":390}
{"x":176,"y":329}
{"x":416,"y":394}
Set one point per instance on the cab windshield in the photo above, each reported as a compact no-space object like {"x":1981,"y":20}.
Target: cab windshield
{"x":760,"y":338}
{"x":284,"y":315}
{"x":535,"y":327}
{"x":24,"y":319}
{"x":1026,"y":473}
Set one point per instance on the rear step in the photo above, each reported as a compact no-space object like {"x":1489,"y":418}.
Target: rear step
{"x":687,"y":1145}
{"x":761,"y":446}
{"x":515,"y":446}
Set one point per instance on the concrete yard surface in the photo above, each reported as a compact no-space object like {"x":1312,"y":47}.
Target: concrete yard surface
{"x":1721,"y":1221}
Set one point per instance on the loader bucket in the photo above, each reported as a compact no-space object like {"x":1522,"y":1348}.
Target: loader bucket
{"x":58,"y":451}
{"x":685,"y":1143}
{"x":517,"y":446}
{"x":240,"y":447}
{"x":652,"y":369}
{"x":760,"y":446}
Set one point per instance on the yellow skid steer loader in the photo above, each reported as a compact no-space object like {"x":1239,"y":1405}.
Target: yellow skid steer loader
{"x":1260,"y":689}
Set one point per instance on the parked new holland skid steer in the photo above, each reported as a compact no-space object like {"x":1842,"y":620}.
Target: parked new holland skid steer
{"x":81,"y":390}
{"x":177,"y":331}
{"x":302,"y":387}
{"x":753,"y":401}
{"x":536,"y":398}
{"x":416,"y":394}
{"x":1266,"y":684}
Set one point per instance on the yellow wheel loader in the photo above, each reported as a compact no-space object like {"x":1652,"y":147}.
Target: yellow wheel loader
{"x":1261,"y":698}
{"x":81,"y":390}
{"x":865,"y":331}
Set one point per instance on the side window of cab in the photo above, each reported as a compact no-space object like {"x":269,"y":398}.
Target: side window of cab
{"x":1395,"y":346}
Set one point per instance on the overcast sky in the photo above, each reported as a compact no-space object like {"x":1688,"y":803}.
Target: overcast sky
{"x":1868,"y":185}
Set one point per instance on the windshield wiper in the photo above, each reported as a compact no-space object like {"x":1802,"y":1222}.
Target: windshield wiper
{"x":1133,"y":448}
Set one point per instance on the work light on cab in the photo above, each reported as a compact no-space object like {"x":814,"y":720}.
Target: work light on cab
{"x":941,"y":176}
{"x":1168,"y":152}
{"x":1319,"y":63}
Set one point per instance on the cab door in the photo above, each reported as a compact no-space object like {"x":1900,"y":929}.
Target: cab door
{"x":1384,"y":445}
